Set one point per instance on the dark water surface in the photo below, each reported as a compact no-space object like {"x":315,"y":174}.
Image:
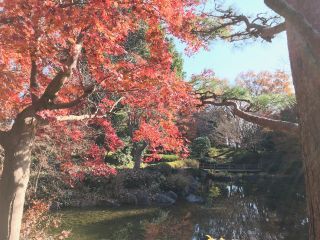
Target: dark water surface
{"x":259,"y":210}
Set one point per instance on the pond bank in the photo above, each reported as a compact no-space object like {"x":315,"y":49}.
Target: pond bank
{"x":150,"y":187}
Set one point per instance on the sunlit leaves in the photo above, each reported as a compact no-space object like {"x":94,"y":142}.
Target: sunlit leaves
{"x":123,"y":54}
{"x":264,"y":92}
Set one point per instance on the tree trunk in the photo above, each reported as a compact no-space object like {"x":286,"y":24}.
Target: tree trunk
{"x":15,"y":176}
{"x":305,"y":65}
{"x":137,"y":152}
{"x":306,"y":75}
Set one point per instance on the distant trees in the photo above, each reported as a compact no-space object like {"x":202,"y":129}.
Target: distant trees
{"x":225,"y":129}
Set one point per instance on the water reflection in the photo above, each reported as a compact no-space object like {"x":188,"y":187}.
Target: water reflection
{"x":264,"y":210}
{"x":260,"y":210}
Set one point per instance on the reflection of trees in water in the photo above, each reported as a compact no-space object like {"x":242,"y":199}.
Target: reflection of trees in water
{"x":242,"y":218}
{"x":265,"y":210}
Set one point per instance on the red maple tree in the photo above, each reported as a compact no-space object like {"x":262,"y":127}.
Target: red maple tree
{"x":56,"y":56}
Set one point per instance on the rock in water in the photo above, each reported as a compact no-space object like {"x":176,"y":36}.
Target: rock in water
{"x":191,"y":198}
{"x":164,"y":199}
{"x":172,"y":195}
{"x":143,"y":198}
{"x":128,"y":198}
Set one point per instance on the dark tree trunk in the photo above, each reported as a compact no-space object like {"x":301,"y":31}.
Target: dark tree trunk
{"x":305,"y":65}
{"x":137,"y":151}
{"x":15,"y":176}
{"x":306,"y":75}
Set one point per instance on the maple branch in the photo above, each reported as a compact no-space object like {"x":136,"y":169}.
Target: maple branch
{"x":115,"y":104}
{"x":33,"y":74}
{"x":62,"y":76}
{"x":88,"y":116}
{"x":33,"y":80}
{"x":282,"y":7}
{"x":278,"y":125}
{"x":78,"y":117}
{"x":9,"y":20}
{"x":56,"y":106}
{"x":72,"y":3}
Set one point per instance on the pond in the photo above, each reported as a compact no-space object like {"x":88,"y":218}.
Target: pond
{"x":259,"y":210}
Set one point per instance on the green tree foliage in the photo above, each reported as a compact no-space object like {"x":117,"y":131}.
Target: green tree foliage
{"x":264,"y":92}
{"x":200,"y":146}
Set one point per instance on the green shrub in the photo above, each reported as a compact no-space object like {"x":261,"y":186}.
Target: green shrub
{"x":168,"y":157}
{"x":163,"y":168}
{"x":133,"y":179}
{"x":119,"y":158}
{"x":184,"y":163}
{"x":244,"y":156}
{"x":200,"y":147}
{"x":165,"y":157}
{"x":167,"y":167}
{"x":178,"y":182}
{"x":213,"y":152}
{"x":214,"y":192}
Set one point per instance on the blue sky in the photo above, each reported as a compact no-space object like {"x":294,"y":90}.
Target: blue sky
{"x":228,"y":60}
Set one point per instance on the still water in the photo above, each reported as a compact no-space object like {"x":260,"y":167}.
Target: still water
{"x":259,"y":210}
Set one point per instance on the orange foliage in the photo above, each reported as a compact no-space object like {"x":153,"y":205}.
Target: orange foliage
{"x":265,"y":82}
{"x":46,"y":31}
{"x":84,"y":41}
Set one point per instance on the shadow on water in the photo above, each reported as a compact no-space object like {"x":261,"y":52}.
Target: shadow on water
{"x":265,"y":209}
{"x":107,"y":224}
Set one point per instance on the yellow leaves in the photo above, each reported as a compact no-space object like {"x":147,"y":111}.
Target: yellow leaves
{"x":208,"y":237}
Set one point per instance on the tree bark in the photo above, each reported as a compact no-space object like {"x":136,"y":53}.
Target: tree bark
{"x":306,"y":76}
{"x":17,"y":144}
{"x":303,"y":28}
{"x":15,"y":176}
{"x":137,"y":151}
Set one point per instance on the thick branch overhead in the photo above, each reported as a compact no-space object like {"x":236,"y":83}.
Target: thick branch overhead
{"x":278,"y":125}
{"x":227,"y":24}
{"x":282,"y":7}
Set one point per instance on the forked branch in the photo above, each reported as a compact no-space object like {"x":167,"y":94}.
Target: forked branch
{"x":62,"y":76}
